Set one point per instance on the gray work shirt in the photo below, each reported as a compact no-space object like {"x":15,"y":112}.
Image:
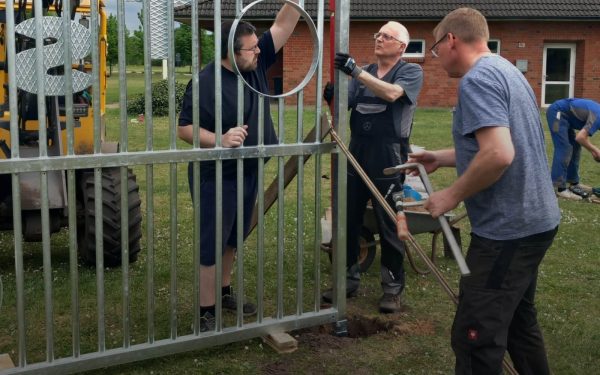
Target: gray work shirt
{"x":522,"y":202}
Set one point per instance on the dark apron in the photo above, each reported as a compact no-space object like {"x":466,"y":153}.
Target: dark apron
{"x":373,"y":117}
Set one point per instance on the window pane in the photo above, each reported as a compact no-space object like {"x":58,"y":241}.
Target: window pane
{"x":556,"y":92}
{"x":493,"y":46}
{"x":416,"y":46}
{"x":558,"y":64}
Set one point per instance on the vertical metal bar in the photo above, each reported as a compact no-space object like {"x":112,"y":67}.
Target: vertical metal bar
{"x":19,"y":277}
{"x":41,"y":77}
{"x":173,"y":230}
{"x":99,"y":258}
{"x":240,"y":200}
{"x":317,"y":253}
{"x":196,"y":247}
{"x":150,"y":252}
{"x":122,"y":73}
{"x":16,"y":191}
{"x":73,"y":262}
{"x":124,"y":177}
{"x":196,"y":46}
{"x":125,"y":254}
{"x":71,"y":193}
{"x":300,"y":208}
{"x":47,"y":267}
{"x":218,"y":173}
{"x":149,"y":122}
{"x":339,"y":248}
{"x":43,"y":148}
{"x":280,"y":210}
{"x":173,"y":167}
{"x":68,"y":88}
{"x":261,"y":190}
{"x":99,"y":229}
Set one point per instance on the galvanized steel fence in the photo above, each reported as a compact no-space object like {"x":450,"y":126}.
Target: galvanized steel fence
{"x":100,"y":317}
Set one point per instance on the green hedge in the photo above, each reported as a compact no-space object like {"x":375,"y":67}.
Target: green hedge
{"x":160,"y":99}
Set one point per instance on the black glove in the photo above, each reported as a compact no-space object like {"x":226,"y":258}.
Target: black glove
{"x":346,"y":64}
{"x":328,"y":93}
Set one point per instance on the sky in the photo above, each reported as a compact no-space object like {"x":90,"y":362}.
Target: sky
{"x":131,"y":11}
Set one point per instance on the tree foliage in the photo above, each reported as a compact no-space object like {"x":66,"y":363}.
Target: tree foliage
{"x":112,"y":31}
{"x":134,"y":43}
{"x":160,"y":99}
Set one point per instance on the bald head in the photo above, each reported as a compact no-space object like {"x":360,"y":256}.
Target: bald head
{"x":397,"y":30}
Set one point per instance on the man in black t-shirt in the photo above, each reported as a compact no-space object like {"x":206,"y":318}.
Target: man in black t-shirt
{"x":253,"y":57}
{"x":382,"y":98}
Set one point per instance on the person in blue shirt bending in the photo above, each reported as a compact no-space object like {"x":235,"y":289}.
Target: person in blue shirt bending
{"x":564,"y":117}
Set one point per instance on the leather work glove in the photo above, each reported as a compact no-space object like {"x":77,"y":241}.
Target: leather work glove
{"x":328,"y":93}
{"x":346,"y":64}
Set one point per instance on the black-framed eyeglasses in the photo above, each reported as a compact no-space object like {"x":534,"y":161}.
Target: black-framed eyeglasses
{"x":253,"y":49}
{"x":386,"y":37}
{"x":435,"y":46}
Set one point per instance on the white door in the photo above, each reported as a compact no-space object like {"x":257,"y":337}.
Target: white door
{"x":558,"y":79}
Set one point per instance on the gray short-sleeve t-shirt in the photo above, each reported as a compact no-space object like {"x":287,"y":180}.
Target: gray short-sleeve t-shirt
{"x":522,"y":202}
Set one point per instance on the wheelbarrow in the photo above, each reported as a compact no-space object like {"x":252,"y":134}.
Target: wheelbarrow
{"x":418,"y":222}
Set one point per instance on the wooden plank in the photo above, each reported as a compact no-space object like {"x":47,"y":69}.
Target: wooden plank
{"x":290,"y":171}
{"x":6,"y":362}
{"x":282,"y":342}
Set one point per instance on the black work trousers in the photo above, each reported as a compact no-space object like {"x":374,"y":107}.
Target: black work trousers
{"x":374,"y":156}
{"x":496,"y":310}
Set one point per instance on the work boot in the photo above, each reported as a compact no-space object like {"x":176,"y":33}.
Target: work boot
{"x":229,"y":302}
{"x":568,"y":194}
{"x":352,"y":284}
{"x":579,"y":190}
{"x":207,"y":322}
{"x":390,"y":303}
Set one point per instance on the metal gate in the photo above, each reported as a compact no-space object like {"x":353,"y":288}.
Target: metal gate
{"x":60,"y":317}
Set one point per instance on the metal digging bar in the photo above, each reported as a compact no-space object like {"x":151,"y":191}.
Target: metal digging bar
{"x":462,"y":265}
{"x":411,"y":240}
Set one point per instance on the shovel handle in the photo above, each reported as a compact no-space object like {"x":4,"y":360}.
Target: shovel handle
{"x":402,"y":227}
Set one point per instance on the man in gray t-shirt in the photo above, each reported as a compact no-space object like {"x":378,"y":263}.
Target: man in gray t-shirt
{"x":504,"y":180}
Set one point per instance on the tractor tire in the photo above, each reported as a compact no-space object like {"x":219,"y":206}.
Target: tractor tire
{"x":111,"y":210}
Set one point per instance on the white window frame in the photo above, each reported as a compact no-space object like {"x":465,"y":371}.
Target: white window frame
{"x":570,"y":82}
{"x":416,"y":55}
{"x":499,"y":45}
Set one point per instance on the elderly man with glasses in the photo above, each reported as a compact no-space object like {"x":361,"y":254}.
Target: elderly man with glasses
{"x":382,"y":99}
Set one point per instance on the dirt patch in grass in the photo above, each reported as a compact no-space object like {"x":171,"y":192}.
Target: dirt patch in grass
{"x":322,"y":341}
{"x":276,"y":368}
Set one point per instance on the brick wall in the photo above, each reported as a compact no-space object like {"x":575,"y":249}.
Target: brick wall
{"x":439,"y":90}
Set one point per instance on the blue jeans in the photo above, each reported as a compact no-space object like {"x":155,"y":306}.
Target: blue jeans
{"x":565,"y":163}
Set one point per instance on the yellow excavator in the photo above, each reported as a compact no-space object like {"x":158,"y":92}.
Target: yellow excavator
{"x":29,"y":139}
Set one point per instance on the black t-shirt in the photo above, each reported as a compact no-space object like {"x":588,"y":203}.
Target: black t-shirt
{"x":229,"y":88}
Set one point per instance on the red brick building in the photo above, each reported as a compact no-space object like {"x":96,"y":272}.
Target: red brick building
{"x":556,"y":44}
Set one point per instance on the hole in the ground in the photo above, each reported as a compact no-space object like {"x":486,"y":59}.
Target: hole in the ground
{"x":359,"y":326}
{"x":362,"y":326}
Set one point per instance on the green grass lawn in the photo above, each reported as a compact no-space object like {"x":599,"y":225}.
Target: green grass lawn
{"x":568,"y":297}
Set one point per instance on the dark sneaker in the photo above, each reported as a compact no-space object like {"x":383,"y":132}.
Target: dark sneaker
{"x":229,"y":302}
{"x":207,"y":322}
{"x":596,"y":191}
{"x":579,"y":191}
{"x":327,"y":295}
{"x":389,"y":303}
